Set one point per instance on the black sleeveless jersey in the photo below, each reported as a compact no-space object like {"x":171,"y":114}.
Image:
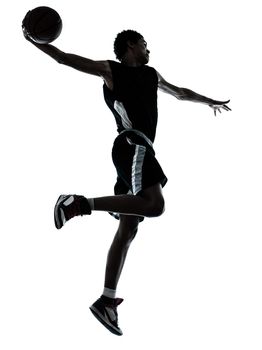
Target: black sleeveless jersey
{"x":133,"y":100}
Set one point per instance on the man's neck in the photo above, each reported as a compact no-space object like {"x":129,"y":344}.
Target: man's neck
{"x":130,"y":62}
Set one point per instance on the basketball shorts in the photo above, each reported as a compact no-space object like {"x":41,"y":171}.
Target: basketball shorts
{"x":136,"y":165}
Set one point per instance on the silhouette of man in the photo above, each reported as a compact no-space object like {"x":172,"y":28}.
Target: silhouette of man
{"x":130,"y":91}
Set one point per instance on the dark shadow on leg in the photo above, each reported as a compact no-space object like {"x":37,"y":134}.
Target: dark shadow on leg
{"x":125,"y":234}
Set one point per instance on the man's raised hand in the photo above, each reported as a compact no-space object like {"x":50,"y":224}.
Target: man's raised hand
{"x":218,"y":105}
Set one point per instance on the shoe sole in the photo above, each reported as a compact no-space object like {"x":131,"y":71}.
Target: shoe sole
{"x":57,"y":216}
{"x":100,"y":318}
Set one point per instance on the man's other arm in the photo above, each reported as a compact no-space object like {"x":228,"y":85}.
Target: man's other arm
{"x":189,"y":95}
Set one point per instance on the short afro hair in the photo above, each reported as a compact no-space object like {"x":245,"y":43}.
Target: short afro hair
{"x":120,"y":43}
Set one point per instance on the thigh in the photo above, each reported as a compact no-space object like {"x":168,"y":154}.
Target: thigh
{"x":136,"y":165}
{"x":153,"y":193}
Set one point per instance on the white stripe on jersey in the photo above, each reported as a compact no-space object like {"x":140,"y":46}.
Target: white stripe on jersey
{"x":119,"y":107}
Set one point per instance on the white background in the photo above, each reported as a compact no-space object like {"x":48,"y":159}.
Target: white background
{"x":192,"y":279}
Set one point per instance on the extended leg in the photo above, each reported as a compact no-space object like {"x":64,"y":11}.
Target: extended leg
{"x":105,"y":308}
{"x":117,"y":253}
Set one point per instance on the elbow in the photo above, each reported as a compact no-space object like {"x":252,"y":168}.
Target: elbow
{"x":61,"y":58}
{"x":60,"y":61}
{"x":182,"y":95}
{"x":185,"y":95}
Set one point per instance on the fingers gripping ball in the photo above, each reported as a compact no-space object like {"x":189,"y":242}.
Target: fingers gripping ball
{"x":42,"y":24}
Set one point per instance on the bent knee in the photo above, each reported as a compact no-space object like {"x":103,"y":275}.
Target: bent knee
{"x":157,"y":207}
{"x":128,"y":226}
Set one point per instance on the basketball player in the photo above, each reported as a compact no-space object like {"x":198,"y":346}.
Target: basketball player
{"x":130,"y":91}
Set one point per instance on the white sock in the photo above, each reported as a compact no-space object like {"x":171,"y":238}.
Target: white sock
{"x":91,"y":203}
{"x":110,"y":293}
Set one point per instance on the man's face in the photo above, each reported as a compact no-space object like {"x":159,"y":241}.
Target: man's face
{"x":141,"y":51}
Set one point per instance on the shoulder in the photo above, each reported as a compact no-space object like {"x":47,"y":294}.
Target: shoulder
{"x":108,"y":68}
{"x":115,"y":72}
{"x":161,"y":81}
{"x":150,"y":70}
{"x":103,"y":67}
{"x":152,"y":74}
{"x":114,"y":66}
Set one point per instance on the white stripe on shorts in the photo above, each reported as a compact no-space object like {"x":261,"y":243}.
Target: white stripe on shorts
{"x":137,"y":165}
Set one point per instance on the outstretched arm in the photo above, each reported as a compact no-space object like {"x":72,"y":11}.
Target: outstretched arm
{"x":98,"y":68}
{"x":189,"y":95}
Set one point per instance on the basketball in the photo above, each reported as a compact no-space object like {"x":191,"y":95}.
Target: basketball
{"x":43,"y":24}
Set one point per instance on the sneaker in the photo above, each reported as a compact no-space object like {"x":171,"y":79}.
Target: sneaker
{"x":68,"y":206}
{"x":106,"y":313}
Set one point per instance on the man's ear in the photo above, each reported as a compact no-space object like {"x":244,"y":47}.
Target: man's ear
{"x":130,"y":44}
